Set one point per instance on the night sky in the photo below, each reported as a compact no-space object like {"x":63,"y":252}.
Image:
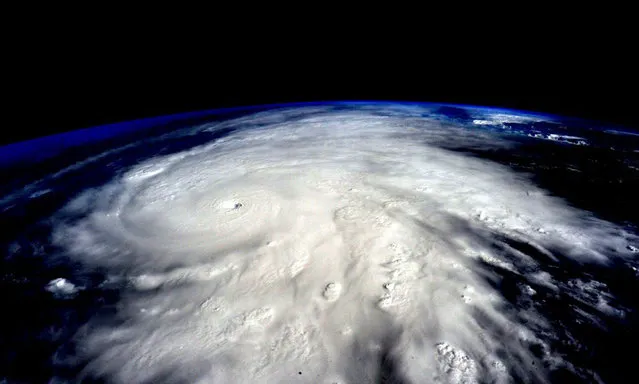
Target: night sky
{"x":60,"y":86}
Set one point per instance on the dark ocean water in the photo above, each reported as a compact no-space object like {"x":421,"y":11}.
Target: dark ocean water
{"x":38,"y":327}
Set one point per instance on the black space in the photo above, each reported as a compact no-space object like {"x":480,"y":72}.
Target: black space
{"x":67,"y":78}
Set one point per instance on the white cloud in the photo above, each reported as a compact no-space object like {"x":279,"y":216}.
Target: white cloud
{"x":318,"y":246}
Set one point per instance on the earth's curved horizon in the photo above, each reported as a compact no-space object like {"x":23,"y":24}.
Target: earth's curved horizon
{"x":327,"y":242}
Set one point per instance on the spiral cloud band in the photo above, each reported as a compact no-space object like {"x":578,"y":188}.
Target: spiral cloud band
{"x":327,"y":246}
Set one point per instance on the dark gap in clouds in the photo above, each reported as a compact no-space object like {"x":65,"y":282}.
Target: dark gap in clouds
{"x":390,"y":371}
{"x":595,"y":346}
{"x":592,"y":346}
{"x":502,"y":243}
{"x":520,"y":368}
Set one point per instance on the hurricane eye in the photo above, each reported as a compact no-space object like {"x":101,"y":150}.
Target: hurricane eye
{"x":232,"y":205}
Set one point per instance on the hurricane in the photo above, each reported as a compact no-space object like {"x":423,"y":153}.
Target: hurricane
{"x":327,"y":245}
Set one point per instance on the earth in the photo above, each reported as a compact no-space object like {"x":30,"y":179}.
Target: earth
{"x":345,"y":242}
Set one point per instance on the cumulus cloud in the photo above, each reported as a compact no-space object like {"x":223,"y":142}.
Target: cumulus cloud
{"x":324,"y":246}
